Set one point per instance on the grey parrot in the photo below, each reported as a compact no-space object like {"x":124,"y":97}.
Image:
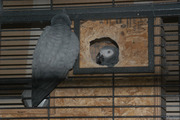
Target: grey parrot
{"x":55,"y":54}
{"x":108,"y":55}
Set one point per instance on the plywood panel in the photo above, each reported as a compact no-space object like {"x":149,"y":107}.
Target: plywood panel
{"x":119,"y":91}
{"x":138,"y":101}
{"x":130,"y":35}
{"x":107,"y":101}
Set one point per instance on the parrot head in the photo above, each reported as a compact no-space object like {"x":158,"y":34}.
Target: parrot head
{"x":108,"y":55}
{"x":61,"y":18}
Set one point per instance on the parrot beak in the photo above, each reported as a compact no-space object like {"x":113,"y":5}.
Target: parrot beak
{"x":99,"y":58}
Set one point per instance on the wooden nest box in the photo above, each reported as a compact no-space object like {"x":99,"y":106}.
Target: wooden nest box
{"x":132,"y":37}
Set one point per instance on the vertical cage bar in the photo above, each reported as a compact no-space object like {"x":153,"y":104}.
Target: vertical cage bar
{"x":113,"y":2}
{"x":113,"y":96}
{"x":77,"y":27}
{"x":179,"y":52}
{"x":51,"y":4}
{"x":163,"y":70}
{"x":0,"y":37}
{"x":163,"y":51}
{"x":1,"y":8}
{"x":1,"y":5}
{"x":49,"y":99}
{"x":151,"y":43}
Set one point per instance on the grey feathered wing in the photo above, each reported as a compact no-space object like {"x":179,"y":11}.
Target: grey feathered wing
{"x":55,"y":54}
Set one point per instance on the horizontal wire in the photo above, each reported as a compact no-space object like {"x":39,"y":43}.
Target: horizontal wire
{"x":108,"y":96}
{"x":82,"y":3}
{"x":16,"y":68}
{"x":164,"y":35}
{"x":9,"y":104}
{"x":49,"y":8}
{"x":77,"y":3}
{"x":172,"y":40}
{"x":40,"y":5}
{"x":69,"y":107}
{"x":83,"y":117}
{"x":166,"y":45}
{"x":84,"y":77}
{"x":14,"y":55}
{"x":117,"y":86}
{"x":11,"y":93}
{"x":20,"y":49}
{"x":17,"y":45}
{"x":74,"y":7}
{"x":25,"y":68}
{"x":17,"y":30}
{"x":15,"y":64}
{"x":18,"y":40}
{"x":10,"y":36}
{"x":16,"y":59}
{"x":35,"y":45}
{"x":77,"y":107}
{"x":160,"y":55}
{"x":18,"y":74}
{"x":167,"y":25}
{"x":90,"y":87}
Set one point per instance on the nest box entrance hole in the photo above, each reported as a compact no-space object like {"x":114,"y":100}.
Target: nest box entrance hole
{"x":97,"y":44}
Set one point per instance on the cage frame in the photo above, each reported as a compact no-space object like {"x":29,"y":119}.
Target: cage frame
{"x":163,"y":12}
{"x":139,"y":10}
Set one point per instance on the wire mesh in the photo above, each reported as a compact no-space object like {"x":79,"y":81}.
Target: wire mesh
{"x":89,"y":96}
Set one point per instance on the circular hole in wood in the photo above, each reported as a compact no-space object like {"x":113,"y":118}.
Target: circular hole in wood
{"x":97,"y":45}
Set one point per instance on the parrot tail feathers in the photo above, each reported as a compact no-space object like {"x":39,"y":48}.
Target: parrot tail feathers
{"x":41,"y":92}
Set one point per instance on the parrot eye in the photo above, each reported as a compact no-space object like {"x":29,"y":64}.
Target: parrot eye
{"x":109,"y":51}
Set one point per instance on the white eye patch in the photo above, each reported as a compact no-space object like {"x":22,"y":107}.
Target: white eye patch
{"x":107,"y":52}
